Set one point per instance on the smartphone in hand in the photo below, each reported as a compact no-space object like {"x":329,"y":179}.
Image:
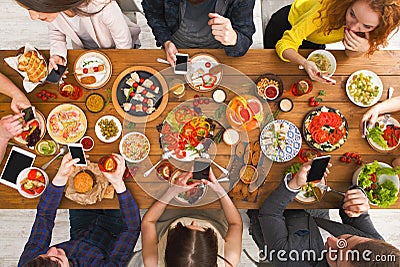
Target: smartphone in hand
{"x":181,"y":64}
{"x":201,"y":169}
{"x":55,"y":75}
{"x":365,"y":130}
{"x":76,"y":151}
{"x":318,"y":167}
{"x":29,"y":113}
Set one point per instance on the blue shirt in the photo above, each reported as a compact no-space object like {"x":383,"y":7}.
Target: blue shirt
{"x":80,"y":252}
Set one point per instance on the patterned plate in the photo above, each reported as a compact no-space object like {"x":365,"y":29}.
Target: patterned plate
{"x":200,"y":77}
{"x":280,"y":140}
{"x":300,"y":197}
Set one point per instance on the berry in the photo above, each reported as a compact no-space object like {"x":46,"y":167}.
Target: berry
{"x":316,"y":103}
{"x":343,"y":159}
{"x":43,"y":92}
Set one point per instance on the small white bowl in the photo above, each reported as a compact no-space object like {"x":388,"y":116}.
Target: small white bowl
{"x":24,"y":174}
{"x":329,"y":56}
{"x":130,"y":138}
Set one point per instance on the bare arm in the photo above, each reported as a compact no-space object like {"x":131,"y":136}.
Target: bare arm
{"x":19,"y":100}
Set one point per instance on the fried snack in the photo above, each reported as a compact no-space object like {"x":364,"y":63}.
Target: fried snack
{"x":256,"y":153}
{"x":34,"y":66}
{"x":239,"y":151}
{"x":317,"y":193}
{"x":247,"y":154}
{"x":83,"y":182}
{"x":252,"y":196}
{"x":245,"y":191}
{"x":237,"y":188}
{"x":109,"y":194}
{"x":88,"y":80}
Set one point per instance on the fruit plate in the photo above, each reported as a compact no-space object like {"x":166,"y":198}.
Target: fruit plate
{"x":92,"y":69}
{"x":190,"y":196}
{"x":325,"y":129}
{"x":385,"y":124}
{"x":302,"y":195}
{"x":139,"y":94}
{"x":117,"y":127}
{"x":367,"y":84}
{"x":280,"y":140}
{"x":199,"y":77}
{"x":184,"y":133}
{"x":66,"y":123}
{"x":42,"y":126}
{"x":244,"y":112}
{"x":269,"y":87}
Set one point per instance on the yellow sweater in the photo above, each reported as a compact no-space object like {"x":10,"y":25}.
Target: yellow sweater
{"x":301,"y":17}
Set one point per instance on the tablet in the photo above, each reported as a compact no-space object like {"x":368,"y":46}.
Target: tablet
{"x":17,"y":160}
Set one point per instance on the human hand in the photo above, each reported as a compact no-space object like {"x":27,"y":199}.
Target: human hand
{"x":180,"y":184}
{"x":10,"y":126}
{"x":213,"y":184}
{"x":355,"y":203}
{"x":301,"y":177}
{"x":115,"y":178}
{"x":222,"y":30}
{"x":170,"y":52}
{"x":19,"y":103}
{"x":370,"y":118}
{"x":66,"y":169}
{"x":355,"y":43}
{"x":54,"y":60}
{"x":314,"y":73}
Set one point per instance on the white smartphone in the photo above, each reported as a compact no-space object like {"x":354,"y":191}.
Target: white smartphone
{"x":17,"y":160}
{"x":76,"y":151}
{"x":318,"y":167}
{"x":181,"y":64}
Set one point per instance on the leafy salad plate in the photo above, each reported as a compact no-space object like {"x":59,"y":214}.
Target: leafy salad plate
{"x":384,"y":136}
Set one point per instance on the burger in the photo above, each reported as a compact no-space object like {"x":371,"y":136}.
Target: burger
{"x":83,"y":182}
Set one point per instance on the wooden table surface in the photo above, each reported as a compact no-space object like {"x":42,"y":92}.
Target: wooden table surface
{"x":254,"y":63}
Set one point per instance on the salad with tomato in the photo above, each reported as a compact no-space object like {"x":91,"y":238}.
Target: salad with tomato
{"x":184,"y":131}
{"x":31,"y":133}
{"x":384,"y":136}
{"x":325,"y":129}
{"x":34,"y":183}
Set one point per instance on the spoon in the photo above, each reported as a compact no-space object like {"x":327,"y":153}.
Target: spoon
{"x":62,"y":152}
{"x":165,"y":155}
{"x":206,"y":156}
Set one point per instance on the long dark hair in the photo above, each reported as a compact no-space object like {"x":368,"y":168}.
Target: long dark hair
{"x":41,"y":261}
{"x":189,"y":248}
{"x":52,"y":6}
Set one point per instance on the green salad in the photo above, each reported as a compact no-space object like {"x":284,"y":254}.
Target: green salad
{"x":382,"y":194}
{"x":376,"y":135}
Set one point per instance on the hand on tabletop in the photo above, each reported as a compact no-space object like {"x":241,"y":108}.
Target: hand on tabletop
{"x":10,"y":126}
{"x":170,"y":52}
{"x":355,"y":43}
{"x":222,"y":30}
{"x":355,"y":203}
{"x":301,"y":177}
{"x":115,"y":178}
{"x":19,"y":103}
{"x":370,"y":117}
{"x":314,"y":73}
{"x":213,"y":184}
{"x":66,"y":169}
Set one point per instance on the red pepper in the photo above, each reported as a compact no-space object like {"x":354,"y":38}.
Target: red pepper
{"x":32,"y":175}
{"x":39,"y":190}
{"x":209,"y":80}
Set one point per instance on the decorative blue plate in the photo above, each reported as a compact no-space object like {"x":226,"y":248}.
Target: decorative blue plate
{"x":280,"y":140}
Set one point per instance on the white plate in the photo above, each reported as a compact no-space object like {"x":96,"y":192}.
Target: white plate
{"x":329,"y":56}
{"x":99,"y":135}
{"x":293,"y":142}
{"x":140,"y":138}
{"x":309,"y":200}
{"x":181,"y":197}
{"x":376,"y":81}
{"x":93,"y":59}
{"x":390,"y":121}
{"x":23,"y":174}
{"x":42,"y":124}
{"x":197,"y":68}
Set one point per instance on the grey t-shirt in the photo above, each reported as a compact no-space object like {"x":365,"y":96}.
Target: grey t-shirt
{"x":194,"y":31}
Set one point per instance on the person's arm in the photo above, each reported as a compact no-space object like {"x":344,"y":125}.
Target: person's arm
{"x":149,"y":232}
{"x":155,"y":15}
{"x":233,"y":238}
{"x":40,"y":238}
{"x":10,"y":126}
{"x":241,"y":20}
{"x":387,"y":106}
{"x":113,"y":18}
{"x":19,"y":99}
{"x":58,"y":47}
{"x":124,"y":244}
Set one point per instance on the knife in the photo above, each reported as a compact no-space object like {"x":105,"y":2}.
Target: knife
{"x":389,"y":96}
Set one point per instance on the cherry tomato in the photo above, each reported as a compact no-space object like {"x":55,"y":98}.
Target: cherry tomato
{"x":85,"y":70}
{"x":144,"y":92}
{"x":207,"y":64}
{"x":359,"y":162}
{"x":153,"y":87}
{"x":133,"y":107}
{"x":347,"y":154}
{"x":206,"y":101}
{"x":316,"y":104}
{"x":39,"y":190}
{"x":44,"y":98}
{"x":39,"y":95}
{"x":343,"y":159}
{"x":43,"y":92}
{"x":95,"y":69}
{"x":145,"y":100}
{"x":131,"y":94}
{"x":348,"y":160}
{"x":32,"y":175}
{"x":353,"y":155}
{"x":135,"y":85}
{"x":54,"y":96}
{"x":201,"y":101}
{"x":144,"y":108}
{"x":141,"y":80}
{"x":196,"y":96}
{"x":195,"y":103}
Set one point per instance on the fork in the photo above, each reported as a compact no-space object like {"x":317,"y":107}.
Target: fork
{"x":165,"y":155}
{"x":327,"y":188}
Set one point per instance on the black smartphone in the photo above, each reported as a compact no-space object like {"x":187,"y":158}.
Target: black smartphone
{"x":181,"y":64}
{"x":365,"y":131}
{"x":55,"y":75}
{"x":201,"y":169}
{"x":76,"y":151}
{"x":29,"y":113}
{"x":318,"y":167}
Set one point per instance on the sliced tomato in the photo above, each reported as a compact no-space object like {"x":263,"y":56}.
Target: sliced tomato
{"x":40,"y":178}
{"x":180,"y":154}
{"x":320,"y":136}
{"x":39,"y":190}
{"x":29,"y":191}
{"x":34,"y":123}
{"x":32,"y":175}
{"x":24,"y":135}
{"x":166,"y":128}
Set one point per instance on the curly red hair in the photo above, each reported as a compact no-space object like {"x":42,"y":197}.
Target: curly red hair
{"x":389,"y":19}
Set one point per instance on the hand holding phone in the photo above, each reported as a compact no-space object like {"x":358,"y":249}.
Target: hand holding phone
{"x":29,"y":113}
{"x":181,"y":64}
{"x":318,"y":167}
{"x":201,"y":169}
{"x":56,"y":75}
{"x":76,"y":151}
